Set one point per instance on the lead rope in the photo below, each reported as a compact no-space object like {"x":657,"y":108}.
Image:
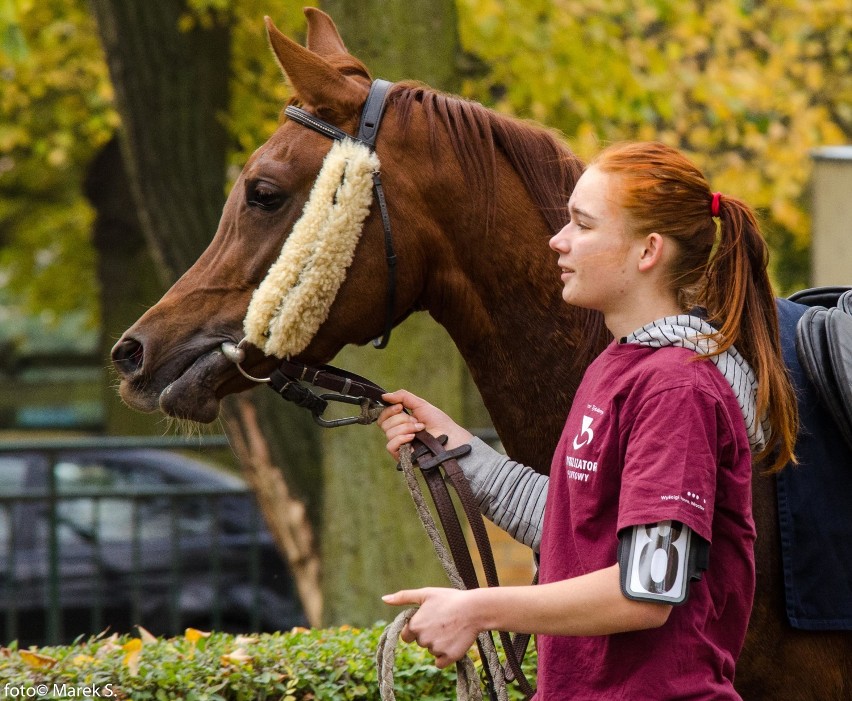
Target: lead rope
{"x":467,"y":680}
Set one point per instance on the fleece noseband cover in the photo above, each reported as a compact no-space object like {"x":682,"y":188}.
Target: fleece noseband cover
{"x":295,"y":298}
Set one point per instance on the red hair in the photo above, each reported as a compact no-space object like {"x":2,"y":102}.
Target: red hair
{"x":662,"y":191}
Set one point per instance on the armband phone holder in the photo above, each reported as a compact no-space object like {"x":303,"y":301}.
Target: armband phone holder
{"x":658,"y":561}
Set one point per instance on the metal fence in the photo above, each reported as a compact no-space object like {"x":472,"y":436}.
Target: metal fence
{"x":114,"y":532}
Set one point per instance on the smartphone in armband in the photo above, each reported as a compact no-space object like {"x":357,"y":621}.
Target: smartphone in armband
{"x":658,"y":560}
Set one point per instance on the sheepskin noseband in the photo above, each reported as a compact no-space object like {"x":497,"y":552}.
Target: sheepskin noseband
{"x":294,"y":299}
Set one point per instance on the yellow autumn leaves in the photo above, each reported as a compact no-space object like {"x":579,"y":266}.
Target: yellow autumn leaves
{"x":132,"y":651}
{"x":748,"y":89}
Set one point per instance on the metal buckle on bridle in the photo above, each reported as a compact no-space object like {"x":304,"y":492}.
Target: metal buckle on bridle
{"x":367,"y":405}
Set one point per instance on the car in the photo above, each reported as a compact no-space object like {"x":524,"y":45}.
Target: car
{"x":95,"y":539}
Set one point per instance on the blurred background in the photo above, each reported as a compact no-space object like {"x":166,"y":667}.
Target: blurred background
{"x":123,"y":124}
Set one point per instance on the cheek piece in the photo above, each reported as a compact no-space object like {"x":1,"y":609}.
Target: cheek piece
{"x":659,"y":560}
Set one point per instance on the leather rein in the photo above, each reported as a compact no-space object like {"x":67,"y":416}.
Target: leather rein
{"x":437,"y":465}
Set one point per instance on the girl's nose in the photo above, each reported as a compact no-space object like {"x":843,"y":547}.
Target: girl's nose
{"x":559,"y":241}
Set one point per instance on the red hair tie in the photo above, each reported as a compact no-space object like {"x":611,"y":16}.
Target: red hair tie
{"x":714,"y":205}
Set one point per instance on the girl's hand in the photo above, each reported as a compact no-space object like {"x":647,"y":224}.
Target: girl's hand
{"x":400,"y":427}
{"x":443,"y":624}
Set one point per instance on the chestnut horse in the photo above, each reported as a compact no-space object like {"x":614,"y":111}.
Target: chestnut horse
{"x":473,"y":197}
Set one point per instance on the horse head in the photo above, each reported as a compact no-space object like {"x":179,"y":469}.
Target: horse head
{"x":171,"y":358}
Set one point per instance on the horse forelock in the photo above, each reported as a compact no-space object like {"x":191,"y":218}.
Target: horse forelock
{"x":546,"y":166}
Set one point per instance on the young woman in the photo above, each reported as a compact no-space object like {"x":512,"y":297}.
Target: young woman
{"x":646,"y":540}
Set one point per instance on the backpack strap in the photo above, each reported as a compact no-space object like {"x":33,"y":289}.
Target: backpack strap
{"x":819,"y":296}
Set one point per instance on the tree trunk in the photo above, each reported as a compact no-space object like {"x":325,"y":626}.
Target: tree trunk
{"x":118,"y":239}
{"x":171,"y":92}
{"x":373,"y":542}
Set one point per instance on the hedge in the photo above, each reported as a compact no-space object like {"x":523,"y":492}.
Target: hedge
{"x":300,"y":665}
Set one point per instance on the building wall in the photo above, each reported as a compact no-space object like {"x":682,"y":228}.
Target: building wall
{"x":831,"y":245}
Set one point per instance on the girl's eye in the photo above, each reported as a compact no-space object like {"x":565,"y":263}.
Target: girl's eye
{"x":264,"y":195}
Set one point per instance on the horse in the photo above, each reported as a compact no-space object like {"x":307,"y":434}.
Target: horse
{"x":474,"y":197}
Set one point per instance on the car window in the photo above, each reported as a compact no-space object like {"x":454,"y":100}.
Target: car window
{"x":13,"y":473}
{"x":115,"y":518}
{"x":104,"y":474}
{"x":13,"y":476}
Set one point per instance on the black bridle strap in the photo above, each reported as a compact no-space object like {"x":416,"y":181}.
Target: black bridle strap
{"x":374,"y":109}
{"x":334,"y":379}
{"x":368,"y":130}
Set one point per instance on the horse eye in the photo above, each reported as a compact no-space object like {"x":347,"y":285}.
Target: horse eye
{"x":264,"y":195}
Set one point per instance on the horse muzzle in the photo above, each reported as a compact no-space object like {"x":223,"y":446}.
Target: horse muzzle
{"x":184,"y":387}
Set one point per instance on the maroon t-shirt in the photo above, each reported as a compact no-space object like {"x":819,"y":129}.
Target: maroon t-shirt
{"x":653,"y":434}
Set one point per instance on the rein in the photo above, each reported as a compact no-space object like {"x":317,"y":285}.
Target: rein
{"x":438,"y":467}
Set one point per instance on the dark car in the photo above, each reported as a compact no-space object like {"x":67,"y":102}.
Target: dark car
{"x":95,"y":538}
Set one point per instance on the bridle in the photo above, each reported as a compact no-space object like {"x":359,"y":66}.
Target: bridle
{"x":288,"y":377}
{"x":368,"y":130}
{"x":438,"y":465}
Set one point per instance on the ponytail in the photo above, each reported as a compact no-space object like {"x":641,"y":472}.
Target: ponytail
{"x":662,"y":191}
{"x":738,"y":296}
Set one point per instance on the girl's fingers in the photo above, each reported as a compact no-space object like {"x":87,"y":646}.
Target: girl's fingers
{"x":388,"y":412}
{"x":397,"y":442}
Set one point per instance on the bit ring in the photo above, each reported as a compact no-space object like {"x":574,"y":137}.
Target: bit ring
{"x":236,"y":354}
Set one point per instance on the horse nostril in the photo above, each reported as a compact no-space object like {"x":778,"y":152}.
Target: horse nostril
{"x":127,"y":356}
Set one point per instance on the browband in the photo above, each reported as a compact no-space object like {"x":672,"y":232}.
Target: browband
{"x":371,"y":117}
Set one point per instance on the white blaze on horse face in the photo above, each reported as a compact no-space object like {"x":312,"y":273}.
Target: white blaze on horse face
{"x":295,"y":298}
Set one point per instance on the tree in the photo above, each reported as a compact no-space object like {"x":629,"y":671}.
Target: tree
{"x":171,"y":77}
{"x":55,"y":113}
{"x":375,"y":541}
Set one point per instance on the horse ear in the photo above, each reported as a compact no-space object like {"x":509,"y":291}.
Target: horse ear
{"x":323,"y":37}
{"x":313,"y":78}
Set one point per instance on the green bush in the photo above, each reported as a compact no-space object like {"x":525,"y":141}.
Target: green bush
{"x":300,"y":665}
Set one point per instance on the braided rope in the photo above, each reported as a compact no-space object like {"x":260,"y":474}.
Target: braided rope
{"x":467,"y":683}
{"x":370,"y":411}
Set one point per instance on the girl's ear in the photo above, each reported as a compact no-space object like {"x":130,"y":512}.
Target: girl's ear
{"x":651,"y":254}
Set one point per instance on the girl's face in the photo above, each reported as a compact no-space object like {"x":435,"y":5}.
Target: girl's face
{"x":594,"y":247}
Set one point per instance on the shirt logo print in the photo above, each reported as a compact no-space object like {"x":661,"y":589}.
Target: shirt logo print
{"x":585,"y":432}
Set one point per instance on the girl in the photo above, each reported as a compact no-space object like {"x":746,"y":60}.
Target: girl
{"x":644,"y":526}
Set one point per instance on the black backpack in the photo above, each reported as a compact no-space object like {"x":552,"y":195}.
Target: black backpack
{"x":824,"y":347}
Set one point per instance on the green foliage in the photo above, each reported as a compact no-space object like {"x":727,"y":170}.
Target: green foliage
{"x":258,"y":89}
{"x":300,"y":665}
{"x":746,"y":87}
{"x":55,"y":112}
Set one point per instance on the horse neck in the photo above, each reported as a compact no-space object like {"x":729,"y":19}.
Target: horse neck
{"x":498,"y":296}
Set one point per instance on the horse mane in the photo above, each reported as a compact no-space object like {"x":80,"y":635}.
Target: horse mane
{"x":546,"y":166}
{"x":548,"y":169}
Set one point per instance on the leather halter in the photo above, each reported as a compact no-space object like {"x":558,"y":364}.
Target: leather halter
{"x":368,"y":130}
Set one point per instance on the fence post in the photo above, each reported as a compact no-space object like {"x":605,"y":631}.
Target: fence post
{"x":54,"y":609}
